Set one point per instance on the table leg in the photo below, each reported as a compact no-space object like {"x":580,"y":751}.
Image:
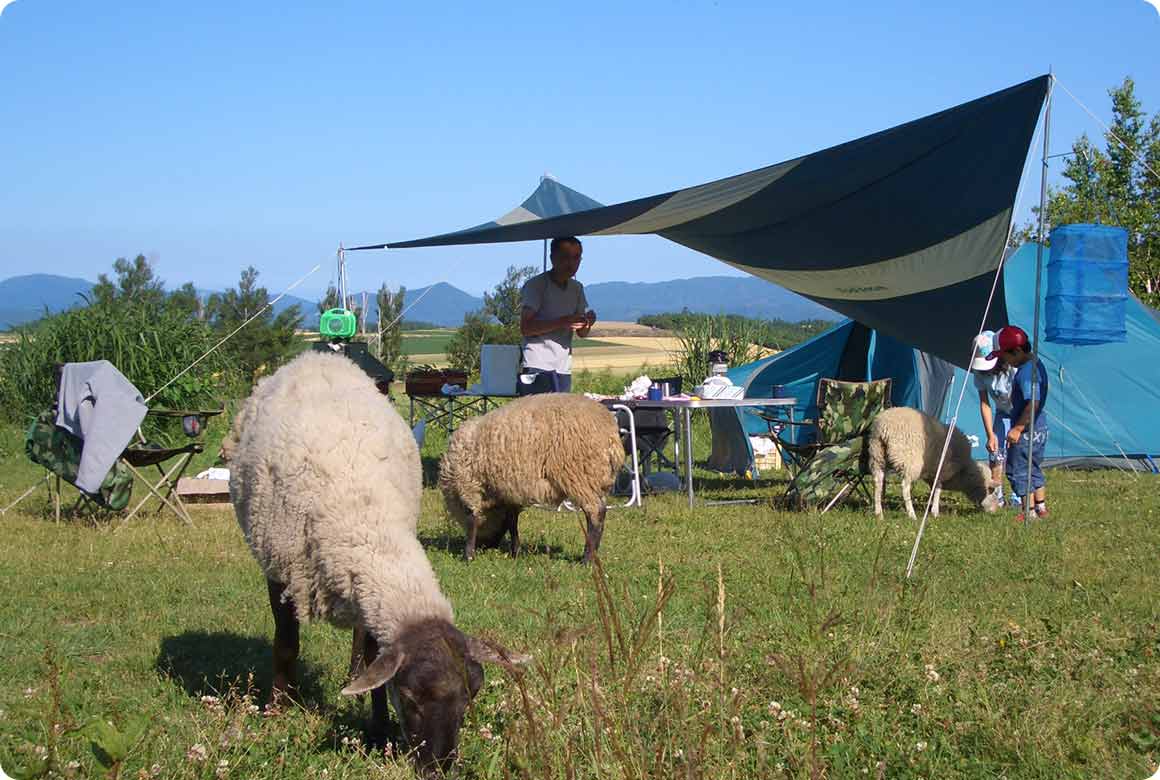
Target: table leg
{"x":688,"y":423}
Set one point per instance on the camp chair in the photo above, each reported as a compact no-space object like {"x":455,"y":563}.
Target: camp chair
{"x":828,"y":464}
{"x":142,"y":455}
{"x":59,"y":451}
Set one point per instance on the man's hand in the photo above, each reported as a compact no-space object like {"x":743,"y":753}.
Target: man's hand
{"x":589,"y":319}
{"x":992,"y":443}
{"x":576,"y":321}
{"x":1014,"y":435}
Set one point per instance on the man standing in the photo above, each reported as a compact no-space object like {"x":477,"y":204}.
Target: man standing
{"x":553,"y":308}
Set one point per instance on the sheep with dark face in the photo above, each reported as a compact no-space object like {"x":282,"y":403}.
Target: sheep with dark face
{"x":540,"y":449}
{"x":911,"y":442}
{"x":325,"y":482}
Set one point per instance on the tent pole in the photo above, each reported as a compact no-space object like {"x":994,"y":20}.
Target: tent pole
{"x":1029,"y":498}
{"x":342,"y":277}
{"x":545,"y":255}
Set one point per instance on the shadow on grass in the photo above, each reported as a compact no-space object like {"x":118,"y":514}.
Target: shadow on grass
{"x":209,"y":663}
{"x":454,"y":544}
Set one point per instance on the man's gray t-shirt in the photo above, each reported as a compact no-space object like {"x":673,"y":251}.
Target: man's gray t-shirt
{"x":551,"y":351}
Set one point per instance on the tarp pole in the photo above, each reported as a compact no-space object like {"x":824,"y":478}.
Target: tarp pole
{"x":342,"y":277}
{"x":1029,"y":497}
{"x":545,"y":255}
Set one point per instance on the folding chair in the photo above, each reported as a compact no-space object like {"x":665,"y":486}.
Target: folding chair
{"x":59,"y":451}
{"x":845,"y":411}
{"x":143,"y":455}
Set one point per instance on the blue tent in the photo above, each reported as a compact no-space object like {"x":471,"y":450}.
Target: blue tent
{"x":1095,"y":405}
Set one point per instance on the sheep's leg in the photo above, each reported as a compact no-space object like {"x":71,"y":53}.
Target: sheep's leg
{"x":378,"y":730}
{"x":513,"y":527}
{"x":879,"y":489}
{"x":469,"y":549}
{"x":286,"y":643}
{"x":906,"y":497}
{"x":934,"y":501}
{"x":595,"y":530}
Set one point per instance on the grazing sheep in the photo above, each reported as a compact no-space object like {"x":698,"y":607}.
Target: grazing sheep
{"x":325,"y":481}
{"x":539,"y":449}
{"x":910,"y":442}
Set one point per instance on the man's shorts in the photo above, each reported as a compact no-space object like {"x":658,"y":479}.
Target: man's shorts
{"x":1001,"y":426}
{"x":544,"y":382}
{"x":1017,"y":463}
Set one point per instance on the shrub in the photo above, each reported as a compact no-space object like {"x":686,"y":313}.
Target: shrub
{"x":149,"y":345}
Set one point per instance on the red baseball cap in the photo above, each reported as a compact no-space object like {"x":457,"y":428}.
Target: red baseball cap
{"x":1010,"y":337}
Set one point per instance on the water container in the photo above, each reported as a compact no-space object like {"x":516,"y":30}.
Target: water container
{"x":1087,"y":285}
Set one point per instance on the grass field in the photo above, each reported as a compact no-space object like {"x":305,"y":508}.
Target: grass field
{"x":725,"y":641}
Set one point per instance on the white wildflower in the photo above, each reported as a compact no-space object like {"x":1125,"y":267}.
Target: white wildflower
{"x":920,"y":746}
{"x":916,"y":709}
{"x":223,"y":768}
{"x":196,"y":753}
{"x":931,"y":674}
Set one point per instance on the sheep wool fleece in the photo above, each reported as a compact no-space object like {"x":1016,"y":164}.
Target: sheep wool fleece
{"x":539,"y":449}
{"x":325,"y":482}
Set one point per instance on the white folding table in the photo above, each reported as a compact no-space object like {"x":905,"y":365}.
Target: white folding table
{"x":686,"y":406}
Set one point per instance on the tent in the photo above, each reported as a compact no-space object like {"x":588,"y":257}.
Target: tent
{"x":550,"y":199}
{"x":885,"y":229}
{"x":1094,"y":401}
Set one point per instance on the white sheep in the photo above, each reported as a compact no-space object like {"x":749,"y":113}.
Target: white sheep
{"x":910,"y":442}
{"x":539,"y":449}
{"x":325,"y":481}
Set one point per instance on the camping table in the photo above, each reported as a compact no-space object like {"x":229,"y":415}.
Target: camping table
{"x":685,"y":407}
{"x":446,"y":410}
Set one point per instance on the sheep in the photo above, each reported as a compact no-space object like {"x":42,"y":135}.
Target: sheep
{"x":910,"y":442}
{"x":539,"y":449}
{"x":325,"y":482}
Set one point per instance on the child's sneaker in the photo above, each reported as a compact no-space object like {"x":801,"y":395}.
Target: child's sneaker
{"x":1041,"y":511}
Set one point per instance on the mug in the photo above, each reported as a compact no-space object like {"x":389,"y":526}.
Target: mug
{"x":654,"y":393}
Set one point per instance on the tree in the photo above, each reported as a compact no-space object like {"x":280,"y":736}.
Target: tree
{"x":503,"y":302}
{"x":1115,"y":186}
{"x":135,"y":280}
{"x":498,"y":322}
{"x":186,"y":300}
{"x":262,"y":345}
{"x":390,"y":327}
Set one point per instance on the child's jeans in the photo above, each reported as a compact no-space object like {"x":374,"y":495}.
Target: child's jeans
{"x":1000,"y":425}
{"x":1017,"y":463}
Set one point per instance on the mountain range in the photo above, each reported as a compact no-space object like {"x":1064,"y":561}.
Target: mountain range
{"x":26,"y":298}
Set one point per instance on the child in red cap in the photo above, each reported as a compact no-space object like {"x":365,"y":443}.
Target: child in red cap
{"x":1014,"y":348}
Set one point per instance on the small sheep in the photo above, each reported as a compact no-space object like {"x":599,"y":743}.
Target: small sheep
{"x":910,"y":442}
{"x":539,"y":449}
{"x":325,"y":482}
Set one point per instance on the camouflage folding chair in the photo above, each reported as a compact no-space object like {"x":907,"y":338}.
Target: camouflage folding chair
{"x":59,"y":452}
{"x":830,"y":466}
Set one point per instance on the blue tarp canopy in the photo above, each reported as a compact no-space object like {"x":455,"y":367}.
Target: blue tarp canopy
{"x":1099,"y":400}
{"x":901,"y":230}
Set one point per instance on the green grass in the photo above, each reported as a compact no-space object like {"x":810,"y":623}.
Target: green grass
{"x":1014,"y":652}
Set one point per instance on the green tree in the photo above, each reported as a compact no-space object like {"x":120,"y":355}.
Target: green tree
{"x":1118,"y":185}
{"x":135,"y":280}
{"x":267,"y":341}
{"x":186,"y":300}
{"x":503,"y":303}
{"x":498,"y":322}
{"x":390,"y":327}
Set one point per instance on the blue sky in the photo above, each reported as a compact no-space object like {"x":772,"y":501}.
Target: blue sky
{"x":214,"y":135}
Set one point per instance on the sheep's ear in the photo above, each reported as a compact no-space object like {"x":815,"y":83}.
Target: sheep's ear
{"x":486,"y":652}
{"x":379,"y":672}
